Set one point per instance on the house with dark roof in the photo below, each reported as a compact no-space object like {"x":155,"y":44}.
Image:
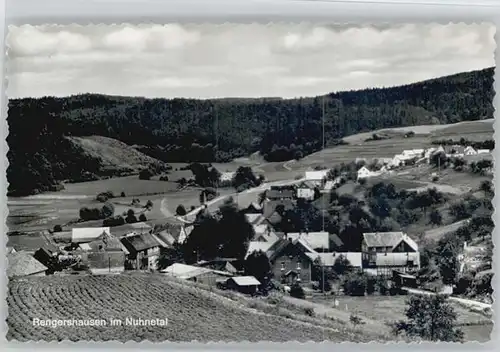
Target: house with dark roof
{"x":254,"y":208}
{"x":143,"y":249}
{"x":289,"y":260}
{"x":272,"y":210}
{"x":105,"y":255}
{"x":21,"y":264}
{"x":280,"y":194}
{"x":384,"y":252}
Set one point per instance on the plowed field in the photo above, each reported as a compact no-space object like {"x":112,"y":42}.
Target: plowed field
{"x":193,"y":313}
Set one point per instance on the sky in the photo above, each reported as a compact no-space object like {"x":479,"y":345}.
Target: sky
{"x":236,"y":60}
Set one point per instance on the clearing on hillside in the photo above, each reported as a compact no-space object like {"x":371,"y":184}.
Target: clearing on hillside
{"x":115,"y":155}
{"x":193,"y":313}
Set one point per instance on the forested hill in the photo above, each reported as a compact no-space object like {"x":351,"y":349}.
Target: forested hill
{"x":221,"y":129}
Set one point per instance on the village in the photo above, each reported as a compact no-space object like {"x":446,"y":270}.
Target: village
{"x":303,"y":264}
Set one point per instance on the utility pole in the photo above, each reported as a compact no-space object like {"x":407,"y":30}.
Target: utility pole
{"x":323,"y":121}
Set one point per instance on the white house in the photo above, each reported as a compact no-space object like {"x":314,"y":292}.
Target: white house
{"x":429,"y":152}
{"x":317,"y":175}
{"x":365,"y":173}
{"x":483,"y":151}
{"x":470,"y":151}
{"x":226,"y":176}
{"x":387,"y":251}
{"x":305,"y":193}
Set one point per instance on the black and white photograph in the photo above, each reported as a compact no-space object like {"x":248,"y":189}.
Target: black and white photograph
{"x":250,"y":182}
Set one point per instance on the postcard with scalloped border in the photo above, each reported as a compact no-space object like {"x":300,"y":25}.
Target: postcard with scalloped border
{"x":250,"y":182}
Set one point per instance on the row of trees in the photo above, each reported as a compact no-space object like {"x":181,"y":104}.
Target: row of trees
{"x":487,"y":144}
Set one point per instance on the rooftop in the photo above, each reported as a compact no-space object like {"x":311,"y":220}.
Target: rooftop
{"x":184,"y":271}
{"x":245,"y":280}
{"x":140,"y":242}
{"x":23,"y":264}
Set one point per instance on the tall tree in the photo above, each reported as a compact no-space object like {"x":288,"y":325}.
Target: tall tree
{"x":430,"y":317}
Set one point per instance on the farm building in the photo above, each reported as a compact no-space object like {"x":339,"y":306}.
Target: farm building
{"x":305,"y":193}
{"x":273,"y":209}
{"x":31,"y":242}
{"x":401,"y":279}
{"x":20,"y":264}
{"x":316,"y":176}
{"x":255,"y":219}
{"x":387,"y":251}
{"x":255,"y":246}
{"x":364,"y":172}
{"x":470,"y":151}
{"x":289,"y":260}
{"x":316,"y":240}
{"x":195,"y":273}
{"x":143,"y":250}
{"x":228,"y":265}
{"x":328,"y":259}
{"x":275,"y":194}
{"x":87,"y":234}
{"x":483,"y":151}
{"x":104,"y":255}
{"x":471,"y":258}
{"x":10,"y":250}
{"x":47,"y":258}
{"x":243,"y":284}
{"x":254,"y":208}
{"x":169,"y":234}
{"x":227,"y":176}
{"x":137,"y":227}
{"x":264,"y":233}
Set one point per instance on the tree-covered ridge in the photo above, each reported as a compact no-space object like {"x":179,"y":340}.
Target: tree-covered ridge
{"x":222,"y":129}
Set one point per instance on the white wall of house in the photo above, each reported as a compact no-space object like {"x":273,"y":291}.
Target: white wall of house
{"x":305,"y":193}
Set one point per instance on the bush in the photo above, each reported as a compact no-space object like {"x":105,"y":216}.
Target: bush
{"x":164,"y":178}
{"x":145,"y":174}
{"x":309,"y":311}
{"x":114,"y":221}
{"x":355,"y":320}
{"x":122,"y":195}
{"x":181,"y":211}
{"x":149,"y":204}
{"x":108,"y":210}
{"x":104,"y":196}
{"x":87,"y":214}
{"x":297,"y":291}
{"x":370,"y":285}
{"x":130,"y":219}
{"x":142,"y":217}
{"x":193,"y":207}
{"x":57,"y":228}
{"x":354,"y":284}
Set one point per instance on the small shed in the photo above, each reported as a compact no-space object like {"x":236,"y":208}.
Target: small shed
{"x":243,"y":284}
{"x":401,"y":279}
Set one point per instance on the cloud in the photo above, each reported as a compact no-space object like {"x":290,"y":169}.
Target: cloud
{"x":207,"y":60}
{"x":30,"y":41}
{"x":150,"y":38}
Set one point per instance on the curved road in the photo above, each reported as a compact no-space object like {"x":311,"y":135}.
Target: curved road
{"x":189,"y":217}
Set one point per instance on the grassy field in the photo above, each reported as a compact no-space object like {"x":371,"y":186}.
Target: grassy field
{"x":192,"y":313}
{"x":424,"y":135}
{"x":392,"y":308}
